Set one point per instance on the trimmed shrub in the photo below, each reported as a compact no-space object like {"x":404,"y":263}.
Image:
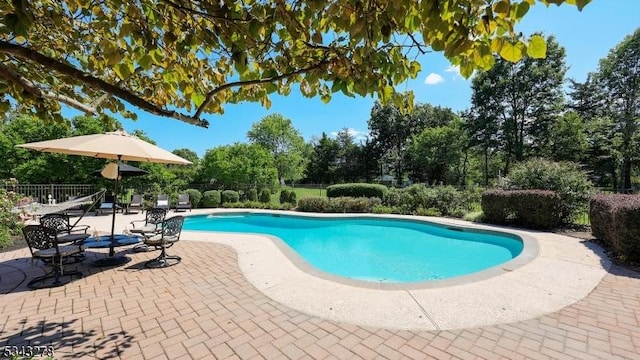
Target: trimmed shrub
{"x":211,"y":199}
{"x":265,"y":196}
{"x":445,"y":200}
{"x":352,"y":204}
{"x":252,"y":195}
{"x":616,"y":220}
{"x":230,"y":196}
{"x":313,"y":204}
{"x":194,"y":197}
{"x":564,"y":178}
{"x":357,"y":190}
{"x":284,"y":196}
{"x":538,"y":209}
{"x":293,"y":197}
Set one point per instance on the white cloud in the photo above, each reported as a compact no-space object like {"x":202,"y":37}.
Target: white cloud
{"x":453,"y":69}
{"x":357,"y":135}
{"x":433,"y":79}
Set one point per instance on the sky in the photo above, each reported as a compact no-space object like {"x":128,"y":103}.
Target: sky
{"x":587,"y":37}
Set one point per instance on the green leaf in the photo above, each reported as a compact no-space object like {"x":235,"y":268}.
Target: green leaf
{"x":123,"y":70}
{"x":537,"y":47}
{"x":512,"y":52}
{"x":502,"y":7}
{"x":146,"y":61}
{"x":197,"y":99}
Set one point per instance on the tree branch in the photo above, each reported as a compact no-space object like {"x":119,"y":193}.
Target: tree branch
{"x":211,"y":93}
{"x":96,"y":83}
{"x":13,"y":76}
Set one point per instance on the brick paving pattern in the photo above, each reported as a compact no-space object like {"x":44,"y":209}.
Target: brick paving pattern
{"x":204,"y":308}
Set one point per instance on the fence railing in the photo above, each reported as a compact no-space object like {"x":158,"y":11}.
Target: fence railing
{"x":43,"y":193}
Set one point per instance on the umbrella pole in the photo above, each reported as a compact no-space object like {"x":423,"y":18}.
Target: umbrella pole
{"x":115,"y":204}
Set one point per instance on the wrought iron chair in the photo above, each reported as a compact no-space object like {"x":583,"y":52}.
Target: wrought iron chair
{"x":43,"y":244}
{"x":66,"y":231}
{"x":150,"y":226}
{"x":171,"y":229}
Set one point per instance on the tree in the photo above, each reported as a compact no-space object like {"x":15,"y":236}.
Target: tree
{"x":322,"y":165}
{"x":196,"y":56}
{"x":239,"y":165}
{"x":278,"y":136}
{"x":438,"y":154}
{"x":568,"y":138}
{"x":391,"y":130}
{"x":521,"y":101}
{"x":619,"y":74}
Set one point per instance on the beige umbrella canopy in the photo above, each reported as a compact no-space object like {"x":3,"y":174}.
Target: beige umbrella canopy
{"x":111,"y":145}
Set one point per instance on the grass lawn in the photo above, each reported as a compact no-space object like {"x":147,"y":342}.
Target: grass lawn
{"x":300,"y":193}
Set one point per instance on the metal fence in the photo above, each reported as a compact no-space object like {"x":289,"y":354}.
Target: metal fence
{"x":43,"y":193}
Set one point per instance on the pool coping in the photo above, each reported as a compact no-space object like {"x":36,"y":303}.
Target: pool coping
{"x":552,"y":272}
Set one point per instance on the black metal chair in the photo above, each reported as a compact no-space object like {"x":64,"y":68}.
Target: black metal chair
{"x":43,"y":244}
{"x":66,"y":231}
{"x":171,"y":229}
{"x":150,"y":226}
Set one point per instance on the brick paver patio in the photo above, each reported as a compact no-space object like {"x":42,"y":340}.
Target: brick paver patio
{"x":204,"y":308}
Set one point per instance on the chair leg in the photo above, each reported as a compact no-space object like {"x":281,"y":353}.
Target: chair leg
{"x":56,"y":273}
{"x":163,"y":260}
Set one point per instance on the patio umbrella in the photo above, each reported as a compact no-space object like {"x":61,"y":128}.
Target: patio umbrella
{"x":112,"y":170}
{"x":118,"y":145}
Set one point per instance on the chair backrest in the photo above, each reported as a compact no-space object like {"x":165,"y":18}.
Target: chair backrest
{"x":136,"y":199}
{"x":183,"y":199}
{"x":40,"y":237}
{"x":163,"y":201}
{"x":59,"y":222}
{"x":108,"y":198}
{"x":172,"y":227}
{"x":155,"y":216}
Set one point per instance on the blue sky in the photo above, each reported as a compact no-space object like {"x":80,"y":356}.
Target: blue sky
{"x":587,"y":37}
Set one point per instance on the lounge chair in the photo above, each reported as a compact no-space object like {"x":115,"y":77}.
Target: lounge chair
{"x":43,"y":244}
{"x":135,"y":205}
{"x":171,"y":229}
{"x":163,"y":201}
{"x":183,"y":203}
{"x":107,"y":205}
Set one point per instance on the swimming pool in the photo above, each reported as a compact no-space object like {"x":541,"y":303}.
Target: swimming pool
{"x":374,"y":249}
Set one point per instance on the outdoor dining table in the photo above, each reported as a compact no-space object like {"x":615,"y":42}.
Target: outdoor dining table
{"x":107,"y":241}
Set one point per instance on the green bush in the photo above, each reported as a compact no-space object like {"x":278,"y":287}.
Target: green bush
{"x":229,"y":196}
{"x":382,"y":209}
{"x":538,"y":209}
{"x":194,"y":197}
{"x":446,"y":200}
{"x":357,"y":190}
{"x":252,"y":195}
{"x":211,"y":199}
{"x":293,"y":197}
{"x":565,"y":179}
{"x":10,"y":224}
{"x":265,"y":196}
{"x":284,"y":196}
{"x":313,"y":204}
{"x":616,"y":220}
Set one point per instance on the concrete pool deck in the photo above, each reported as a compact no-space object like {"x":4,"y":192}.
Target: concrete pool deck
{"x":209,"y":307}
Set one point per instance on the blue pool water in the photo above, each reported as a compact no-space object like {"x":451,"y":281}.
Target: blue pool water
{"x":379,"y":250}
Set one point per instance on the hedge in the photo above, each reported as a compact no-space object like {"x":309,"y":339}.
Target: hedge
{"x":538,"y":209}
{"x":194,"y":197}
{"x":357,"y":190}
{"x":211,"y":199}
{"x":230,"y":196}
{"x":338,"y":205}
{"x":252,"y":195}
{"x":265,"y":196}
{"x":616,"y":220}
